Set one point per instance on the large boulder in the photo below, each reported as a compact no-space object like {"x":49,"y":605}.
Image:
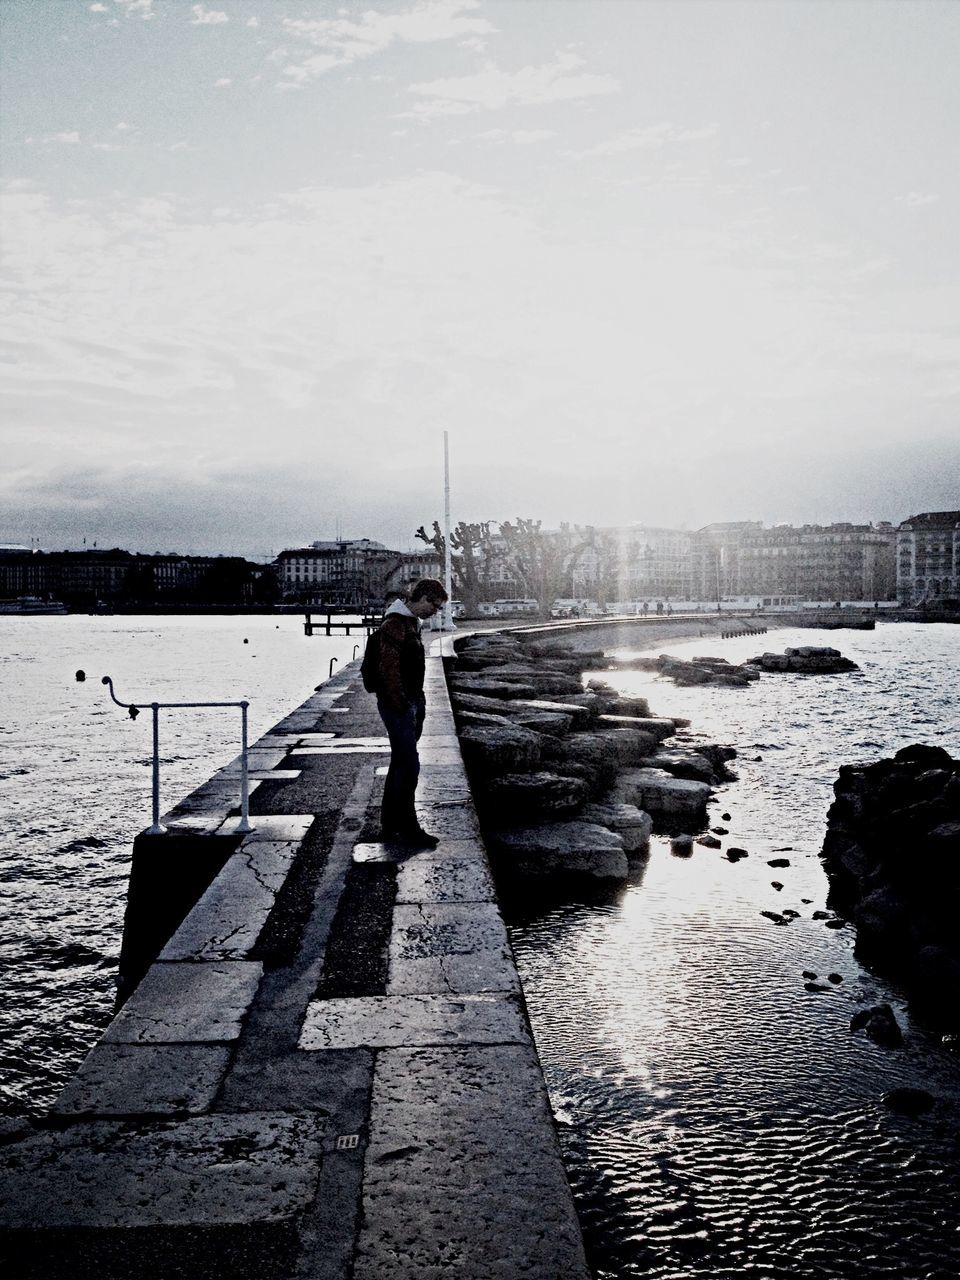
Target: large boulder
{"x":463,"y":701}
{"x":488,"y":687}
{"x":499,"y":748}
{"x":540,"y":793}
{"x":588,"y":703}
{"x":580,"y":716}
{"x":684,"y":765}
{"x":592,"y":751}
{"x":627,"y":746}
{"x":542,"y":678}
{"x":664,"y":797}
{"x":580,"y":850}
{"x":554,"y":723}
{"x":532,"y":713}
{"x":631,"y":824}
{"x":481,"y":717}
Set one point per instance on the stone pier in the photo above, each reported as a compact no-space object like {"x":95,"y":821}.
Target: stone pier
{"x":325,"y":1068}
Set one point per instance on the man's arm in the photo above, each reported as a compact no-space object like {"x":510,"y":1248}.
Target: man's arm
{"x":392,"y":634}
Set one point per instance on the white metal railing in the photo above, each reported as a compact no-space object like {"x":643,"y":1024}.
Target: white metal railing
{"x":133,"y":710}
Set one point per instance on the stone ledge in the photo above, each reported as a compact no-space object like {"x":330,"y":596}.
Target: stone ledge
{"x":187,"y":1003}
{"x":145,"y":1079}
{"x":449,"y":948}
{"x":380,"y":1022}
{"x":463,"y":1172}
{"x":256,"y":1167}
{"x":226,"y":922}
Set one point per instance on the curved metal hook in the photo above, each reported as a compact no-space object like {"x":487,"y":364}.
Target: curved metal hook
{"x":330,"y":672}
{"x":132,"y":709}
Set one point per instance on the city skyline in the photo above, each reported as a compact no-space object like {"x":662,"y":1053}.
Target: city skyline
{"x":648,"y":264}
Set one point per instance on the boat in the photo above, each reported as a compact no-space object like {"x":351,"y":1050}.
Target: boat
{"x":32,"y":605}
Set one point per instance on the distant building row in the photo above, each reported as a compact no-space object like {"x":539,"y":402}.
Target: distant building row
{"x":919,"y":562}
{"x":916,"y":563}
{"x":86,"y":579}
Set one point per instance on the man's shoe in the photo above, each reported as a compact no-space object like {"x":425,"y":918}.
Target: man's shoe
{"x":417,"y":838}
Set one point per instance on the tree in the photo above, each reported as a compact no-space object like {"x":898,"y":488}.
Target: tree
{"x":545,"y":561}
{"x":472,"y":553}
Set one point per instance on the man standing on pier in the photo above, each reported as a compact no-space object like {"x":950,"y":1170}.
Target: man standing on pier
{"x":402,"y":705}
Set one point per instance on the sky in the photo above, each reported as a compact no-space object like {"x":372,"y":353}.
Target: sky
{"x":656,"y":263}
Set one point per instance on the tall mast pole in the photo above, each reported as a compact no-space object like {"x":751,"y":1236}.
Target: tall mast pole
{"x":447,"y":562}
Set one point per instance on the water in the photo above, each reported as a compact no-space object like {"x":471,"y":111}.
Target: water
{"x":718,"y":1119}
{"x":75,"y":789}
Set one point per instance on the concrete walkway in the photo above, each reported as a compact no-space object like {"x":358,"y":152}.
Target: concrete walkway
{"x":328,"y":1072}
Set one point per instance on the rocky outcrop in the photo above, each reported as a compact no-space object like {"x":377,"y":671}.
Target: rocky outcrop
{"x":632,"y":825}
{"x":570,"y":780}
{"x":699,"y":670}
{"x":524,"y":795}
{"x":577,"y":850}
{"x":806,"y":660}
{"x":500,"y":747}
{"x":892,"y":856}
{"x":662,"y":796}
{"x":879,"y":1024}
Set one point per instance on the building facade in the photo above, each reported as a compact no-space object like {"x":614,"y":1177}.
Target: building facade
{"x":928,"y":558}
{"x":351,"y":574}
{"x":806,"y":562}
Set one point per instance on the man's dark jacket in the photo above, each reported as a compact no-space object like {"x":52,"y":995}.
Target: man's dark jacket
{"x":402,"y":661}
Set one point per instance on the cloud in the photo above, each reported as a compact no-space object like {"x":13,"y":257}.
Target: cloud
{"x":132,"y":7}
{"x":491,"y":89}
{"x":526,"y":137}
{"x":917,"y":199}
{"x":253,"y":22}
{"x":70,"y":138}
{"x":649,"y":138}
{"x":521,"y":137}
{"x":222,"y":83}
{"x":207,"y":17}
{"x":99,"y":8}
{"x":357,"y":322}
{"x":343,"y":40}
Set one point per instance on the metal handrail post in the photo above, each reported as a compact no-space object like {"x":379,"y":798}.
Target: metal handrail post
{"x":155,"y":828}
{"x":244,"y":784}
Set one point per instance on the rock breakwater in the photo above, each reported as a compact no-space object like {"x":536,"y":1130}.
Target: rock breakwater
{"x":569,"y":780}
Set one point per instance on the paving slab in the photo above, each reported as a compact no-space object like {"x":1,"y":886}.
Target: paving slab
{"x":450,"y":820}
{"x":444,"y":880}
{"x":274,"y":826}
{"x":226,"y":922}
{"x":380,"y":1022}
{"x":184,"y":1003}
{"x":449,"y":947}
{"x":204,"y":1170}
{"x":144,"y":1079}
{"x":462,"y":1173}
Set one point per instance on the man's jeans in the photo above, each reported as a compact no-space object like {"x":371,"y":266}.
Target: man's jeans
{"x":398,"y":812}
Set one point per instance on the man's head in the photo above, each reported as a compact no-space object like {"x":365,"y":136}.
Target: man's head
{"x":427,"y":598}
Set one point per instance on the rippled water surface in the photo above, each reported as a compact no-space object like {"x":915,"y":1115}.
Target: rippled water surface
{"x":75,"y":789}
{"x":717,"y":1118}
